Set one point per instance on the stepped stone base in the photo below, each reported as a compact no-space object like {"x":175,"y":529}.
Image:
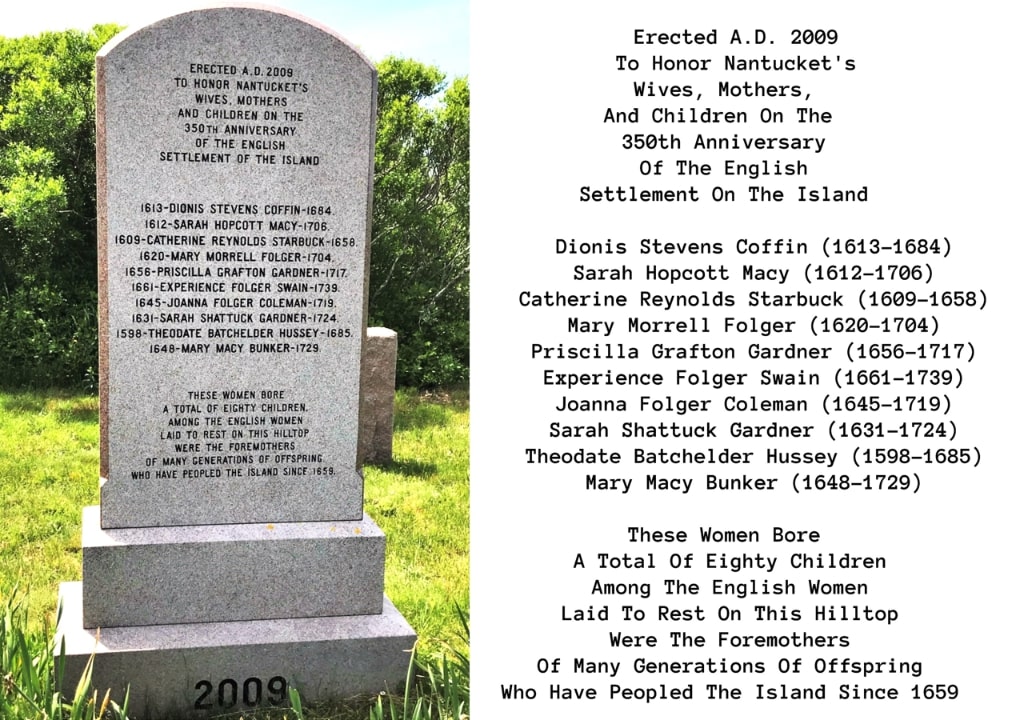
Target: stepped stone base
{"x":222,"y":573}
{"x":200,"y":669}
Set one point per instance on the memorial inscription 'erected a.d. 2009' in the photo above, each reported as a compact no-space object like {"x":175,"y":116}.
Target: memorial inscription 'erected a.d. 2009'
{"x":230,"y":559}
{"x":236,"y":192}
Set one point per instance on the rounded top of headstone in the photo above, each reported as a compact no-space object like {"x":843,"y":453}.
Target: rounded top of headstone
{"x":235,"y":150}
{"x":234,"y":21}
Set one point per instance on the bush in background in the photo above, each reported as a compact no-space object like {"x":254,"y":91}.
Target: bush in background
{"x":48,"y":276}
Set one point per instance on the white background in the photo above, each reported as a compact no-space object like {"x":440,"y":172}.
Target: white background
{"x":927,"y":123}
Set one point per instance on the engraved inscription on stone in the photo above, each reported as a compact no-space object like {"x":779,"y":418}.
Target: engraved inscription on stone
{"x":235,"y":173}
{"x":230,"y":560}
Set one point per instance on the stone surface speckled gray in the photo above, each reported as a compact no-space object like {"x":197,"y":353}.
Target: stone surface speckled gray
{"x":379,"y":377}
{"x":230,"y":557}
{"x":235,"y":154}
{"x":205,"y":573}
{"x":167,"y":665}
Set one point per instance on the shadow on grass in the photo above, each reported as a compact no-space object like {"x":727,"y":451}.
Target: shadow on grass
{"x":407,"y":468}
{"x":82,"y":411}
{"x":415,"y":417}
{"x":58,"y":402}
{"x":429,"y":408}
{"x":21,"y":401}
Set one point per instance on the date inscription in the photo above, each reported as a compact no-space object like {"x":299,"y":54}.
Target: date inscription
{"x":230,"y":693}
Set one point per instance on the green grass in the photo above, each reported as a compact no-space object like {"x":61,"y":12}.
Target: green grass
{"x":30,"y":674}
{"x":49,"y":469}
{"x":421,"y":502}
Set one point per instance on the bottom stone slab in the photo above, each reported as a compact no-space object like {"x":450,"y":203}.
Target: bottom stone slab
{"x":201,"y":669}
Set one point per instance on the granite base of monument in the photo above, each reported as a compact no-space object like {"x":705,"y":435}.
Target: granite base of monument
{"x":213,"y":573}
{"x":219,"y":667}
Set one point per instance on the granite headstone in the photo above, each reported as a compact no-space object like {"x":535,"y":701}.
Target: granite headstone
{"x":230,"y":558}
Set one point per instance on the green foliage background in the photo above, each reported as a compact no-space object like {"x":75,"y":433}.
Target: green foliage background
{"x":48,"y":296}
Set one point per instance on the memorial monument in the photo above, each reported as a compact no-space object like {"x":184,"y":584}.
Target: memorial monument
{"x":230,"y":558}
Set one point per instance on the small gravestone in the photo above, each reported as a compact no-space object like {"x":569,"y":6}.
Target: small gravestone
{"x":378,"y":378}
{"x":230,"y":559}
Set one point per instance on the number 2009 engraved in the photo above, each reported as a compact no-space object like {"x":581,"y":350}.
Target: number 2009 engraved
{"x":249,"y":692}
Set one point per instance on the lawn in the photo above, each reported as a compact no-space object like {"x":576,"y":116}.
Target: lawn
{"x":49,"y":465}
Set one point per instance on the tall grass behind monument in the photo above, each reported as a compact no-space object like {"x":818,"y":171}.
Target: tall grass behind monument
{"x":49,"y":469}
